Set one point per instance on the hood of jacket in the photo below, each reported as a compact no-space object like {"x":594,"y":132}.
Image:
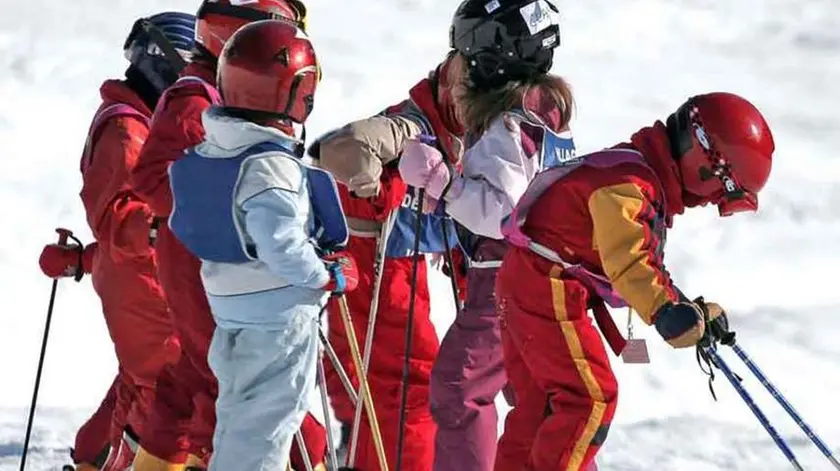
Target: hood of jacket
{"x":226,"y":135}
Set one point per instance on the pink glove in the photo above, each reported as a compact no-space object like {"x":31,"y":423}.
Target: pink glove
{"x":423,"y":166}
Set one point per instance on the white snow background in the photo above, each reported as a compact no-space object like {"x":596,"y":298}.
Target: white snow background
{"x":630,"y":62}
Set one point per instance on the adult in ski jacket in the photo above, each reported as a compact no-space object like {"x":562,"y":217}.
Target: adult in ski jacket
{"x":121,"y":261}
{"x":593,"y":231}
{"x":246,"y":205}
{"x":187,"y":390}
{"x":362,"y":156}
{"x":505,"y":98}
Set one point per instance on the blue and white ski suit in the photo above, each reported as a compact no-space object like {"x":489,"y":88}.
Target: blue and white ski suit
{"x":242,"y":205}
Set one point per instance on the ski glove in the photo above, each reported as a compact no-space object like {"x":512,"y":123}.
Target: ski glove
{"x":344,"y":275}
{"x":66,"y":260}
{"x":423,"y":166}
{"x":683,"y":324}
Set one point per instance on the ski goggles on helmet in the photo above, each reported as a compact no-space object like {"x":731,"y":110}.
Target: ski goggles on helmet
{"x":251,"y":14}
{"x":733,"y":198}
{"x":158,"y":43}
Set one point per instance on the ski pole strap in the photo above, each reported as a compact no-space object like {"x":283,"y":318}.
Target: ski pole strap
{"x":322,"y":311}
{"x":704,"y":360}
{"x":606,"y":324}
{"x":717,"y":329}
{"x":80,"y":251}
{"x":153,"y":230}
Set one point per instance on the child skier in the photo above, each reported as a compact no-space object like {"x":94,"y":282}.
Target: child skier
{"x":259,"y":219}
{"x":508,"y":103}
{"x":362,"y":156}
{"x":182,"y":419}
{"x":122,"y":263}
{"x":593,"y":230}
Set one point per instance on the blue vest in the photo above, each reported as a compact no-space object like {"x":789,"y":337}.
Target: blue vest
{"x":204,"y":215}
{"x":401,"y":240}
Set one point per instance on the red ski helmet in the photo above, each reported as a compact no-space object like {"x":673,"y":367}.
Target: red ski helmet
{"x":724,"y":148}
{"x":219,"y":19}
{"x":269,"y":67}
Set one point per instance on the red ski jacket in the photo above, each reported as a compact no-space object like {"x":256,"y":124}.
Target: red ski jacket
{"x":609,"y":226}
{"x":177,"y":126}
{"x":124,"y":270}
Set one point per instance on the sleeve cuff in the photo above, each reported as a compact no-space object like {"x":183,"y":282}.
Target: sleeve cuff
{"x":673,"y":320}
{"x":456,"y":187}
{"x":322,"y":279}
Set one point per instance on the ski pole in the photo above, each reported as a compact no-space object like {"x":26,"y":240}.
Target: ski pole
{"x":453,"y":281}
{"x":63,"y":234}
{"x":364,"y":389}
{"x":304,"y":453}
{"x":339,"y":368}
{"x":815,"y":439}
{"x":711,"y":351}
{"x":325,"y":404}
{"x":409,"y":328}
{"x":379,"y":268}
{"x":430,"y":140}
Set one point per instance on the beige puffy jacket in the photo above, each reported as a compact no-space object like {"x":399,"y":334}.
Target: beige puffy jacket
{"x":356,"y":153}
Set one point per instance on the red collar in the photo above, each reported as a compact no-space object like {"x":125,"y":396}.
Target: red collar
{"x":116,"y":91}
{"x":654,"y":144}
{"x":201,"y":70}
{"x":443,"y":124}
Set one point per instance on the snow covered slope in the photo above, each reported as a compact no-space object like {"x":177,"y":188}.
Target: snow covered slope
{"x":630,"y":62}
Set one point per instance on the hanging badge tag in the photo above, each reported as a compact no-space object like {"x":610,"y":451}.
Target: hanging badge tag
{"x":635,"y":351}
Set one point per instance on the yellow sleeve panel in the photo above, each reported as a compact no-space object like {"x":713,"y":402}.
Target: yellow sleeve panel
{"x":622,"y":232}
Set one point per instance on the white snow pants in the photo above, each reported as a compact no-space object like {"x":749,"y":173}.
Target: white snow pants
{"x":265,"y":378}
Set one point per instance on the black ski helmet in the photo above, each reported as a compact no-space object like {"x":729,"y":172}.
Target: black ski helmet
{"x":505,"y":40}
{"x":157,"y":46}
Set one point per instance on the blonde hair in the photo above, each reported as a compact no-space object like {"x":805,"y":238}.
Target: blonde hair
{"x":477,"y":108}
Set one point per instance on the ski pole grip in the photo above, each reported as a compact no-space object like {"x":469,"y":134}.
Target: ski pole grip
{"x":720,"y":331}
{"x":63,"y":235}
{"x":427,"y":139}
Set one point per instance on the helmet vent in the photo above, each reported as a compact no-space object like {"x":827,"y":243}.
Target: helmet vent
{"x":282,"y":57}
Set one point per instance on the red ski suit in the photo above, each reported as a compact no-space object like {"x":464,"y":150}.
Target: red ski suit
{"x":184,"y":411}
{"x":124,"y":270}
{"x":611,"y":221}
{"x":362,"y":151}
